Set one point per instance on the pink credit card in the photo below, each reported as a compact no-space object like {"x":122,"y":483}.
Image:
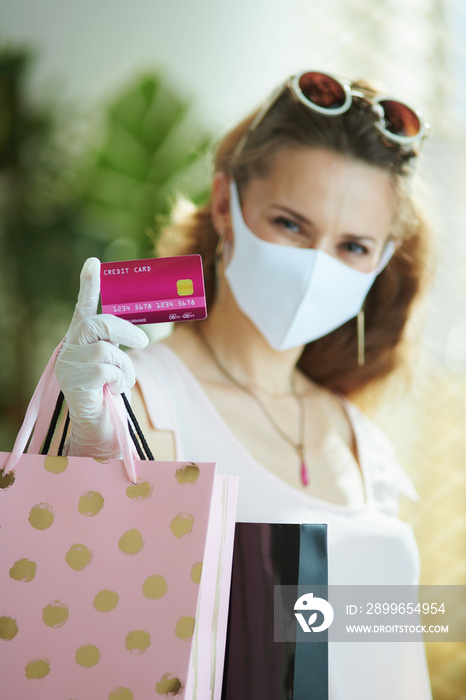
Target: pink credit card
{"x":155,"y":290}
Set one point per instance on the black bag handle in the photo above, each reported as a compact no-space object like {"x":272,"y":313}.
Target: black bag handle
{"x":53,"y":425}
{"x":144,"y":452}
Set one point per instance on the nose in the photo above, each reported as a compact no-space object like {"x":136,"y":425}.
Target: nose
{"x":322,"y":241}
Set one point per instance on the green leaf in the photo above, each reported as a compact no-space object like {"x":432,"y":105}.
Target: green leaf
{"x":151,"y":151}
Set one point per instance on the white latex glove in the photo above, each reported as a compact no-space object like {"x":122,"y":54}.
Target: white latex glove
{"x":89,"y":359}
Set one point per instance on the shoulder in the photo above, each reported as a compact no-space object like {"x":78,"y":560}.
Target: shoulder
{"x":166,"y":380}
{"x":171,"y":361}
{"x":150,"y":358}
{"x":157,"y":377}
{"x":159,"y":363}
{"x":388,"y":478}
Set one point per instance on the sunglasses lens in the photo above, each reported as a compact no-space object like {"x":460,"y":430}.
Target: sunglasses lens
{"x":322,"y":90}
{"x":400,"y":119}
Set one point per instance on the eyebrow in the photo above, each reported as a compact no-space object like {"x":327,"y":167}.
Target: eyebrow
{"x":293,"y":213}
{"x":304,"y":220}
{"x":355,"y":237}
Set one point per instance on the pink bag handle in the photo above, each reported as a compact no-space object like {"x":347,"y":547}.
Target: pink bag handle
{"x":118,"y":415}
{"x":40,"y":399}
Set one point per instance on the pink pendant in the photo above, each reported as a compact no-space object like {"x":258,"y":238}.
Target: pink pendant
{"x":304,"y":477}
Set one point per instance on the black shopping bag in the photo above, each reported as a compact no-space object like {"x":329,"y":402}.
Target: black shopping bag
{"x":256,"y":666}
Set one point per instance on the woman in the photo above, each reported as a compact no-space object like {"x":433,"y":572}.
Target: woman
{"x":310,"y":218}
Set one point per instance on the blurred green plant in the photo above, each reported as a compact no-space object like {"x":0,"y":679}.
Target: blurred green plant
{"x":58,"y":207}
{"x":38,"y":234}
{"x":152,"y":150}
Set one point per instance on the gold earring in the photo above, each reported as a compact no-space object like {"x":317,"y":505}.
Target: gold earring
{"x":219,"y":247}
{"x":361,"y":338}
{"x":218,"y":257}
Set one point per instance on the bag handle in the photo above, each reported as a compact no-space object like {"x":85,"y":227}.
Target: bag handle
{"x":116,"y":406}
{"x":140,"y":434}
{"x":136,"y":433}
{"x":53,"y":424}
{"x":32,"y":412}
{"x":120,"y":426}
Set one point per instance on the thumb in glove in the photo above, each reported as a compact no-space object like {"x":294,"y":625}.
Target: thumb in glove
{"x":89,"y":359}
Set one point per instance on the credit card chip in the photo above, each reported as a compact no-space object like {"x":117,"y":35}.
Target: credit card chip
{"x":184,"y":288}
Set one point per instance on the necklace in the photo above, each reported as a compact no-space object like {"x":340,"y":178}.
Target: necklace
{"x":298,"y":446}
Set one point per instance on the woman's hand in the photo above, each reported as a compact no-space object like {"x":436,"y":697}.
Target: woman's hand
{"x":89,"y":359}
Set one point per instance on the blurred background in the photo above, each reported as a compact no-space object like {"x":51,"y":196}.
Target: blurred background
{"x":108,"y":110}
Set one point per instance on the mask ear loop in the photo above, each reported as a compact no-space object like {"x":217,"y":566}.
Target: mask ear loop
{"x":386,"y":256}
{"x":360,"y":318}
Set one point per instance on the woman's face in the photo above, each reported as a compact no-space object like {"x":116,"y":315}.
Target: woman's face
{"x":315,"y":198}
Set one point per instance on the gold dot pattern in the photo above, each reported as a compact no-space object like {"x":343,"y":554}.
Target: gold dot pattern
{"x":140,"y":491}
{"x":56,"y":465}
{"x":196,"y":572}
{"x":87,"y":656}
{"x":137,"y":641}
{"x":188,"y":474}
{"x":78,"y":557}
{"x":131,"y":542}
{"x":121,"y":694}
{"x":64,"y":529}
{"x":91,"y":503}
{"x":6,"y":480}
{"x":169,"y":686}
{"x":23,"y":570}
{"x":8,"y":628}
{"x":154,"y":587}
{"x":55,"y":614}
{"x":105,"y":601}
{"x":37,"y":669}
{"x":185,"y":627}
{"x":41,"y":516}
{"x":182,"y":524}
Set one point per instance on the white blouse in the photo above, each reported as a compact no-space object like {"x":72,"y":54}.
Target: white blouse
{"x":367,"y":544}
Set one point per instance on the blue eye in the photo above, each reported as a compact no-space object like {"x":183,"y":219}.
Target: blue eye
{"x":287,"y":224}
{"x":355,"y":248}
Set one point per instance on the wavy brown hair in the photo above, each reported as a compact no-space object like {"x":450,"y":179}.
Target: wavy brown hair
{"x":332,"y":360}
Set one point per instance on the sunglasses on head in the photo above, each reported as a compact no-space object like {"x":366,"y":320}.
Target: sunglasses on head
{"x":330,"y":96}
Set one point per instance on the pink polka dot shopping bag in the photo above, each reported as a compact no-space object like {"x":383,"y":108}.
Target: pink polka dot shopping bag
{"x":114,"y":576}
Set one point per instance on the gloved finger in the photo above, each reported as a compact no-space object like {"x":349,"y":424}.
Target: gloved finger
{"x":89,"y":291}
{"x":107,"y":327}
{"x":114,"y":378}
{"x":84,"y":393}
{"x":102,"y":352}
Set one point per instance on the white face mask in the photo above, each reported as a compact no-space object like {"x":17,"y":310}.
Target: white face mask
{"x":293,"y":295}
